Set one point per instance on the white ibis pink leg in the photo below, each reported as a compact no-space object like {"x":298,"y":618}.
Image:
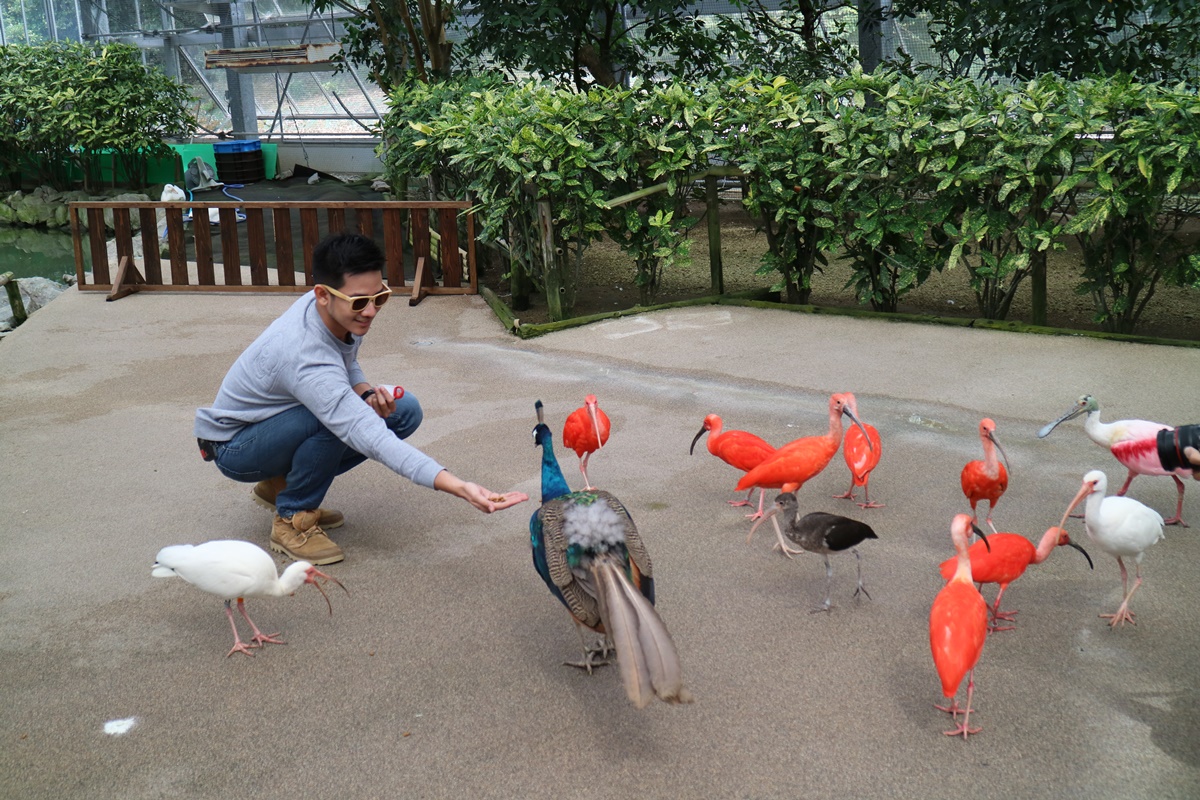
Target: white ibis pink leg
{"x":259,"y":638}
{"x":238,"y":645}
{"x":1123,"y":614}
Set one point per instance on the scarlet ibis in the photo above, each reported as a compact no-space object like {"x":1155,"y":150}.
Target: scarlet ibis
{"x":795,"y":463}
{"x":1134,"y":442}
{"x":740,"y":449}
{"x":586,"y":431}
{"x":1005,"y":558}
{"x":234,"y":569}
{"x":1122,"y":527}
{"x":589,"y":553}
{"x":987,"y":479}
{"x":819,"y":532}
{"x":958,"y":625}
{"x":861,"y":451}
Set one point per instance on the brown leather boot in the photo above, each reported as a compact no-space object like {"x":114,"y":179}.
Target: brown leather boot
{"x":265,"y":492}
{"x":302,"y":538}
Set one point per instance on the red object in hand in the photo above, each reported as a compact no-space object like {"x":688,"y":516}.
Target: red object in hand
{"x":395,"y":391}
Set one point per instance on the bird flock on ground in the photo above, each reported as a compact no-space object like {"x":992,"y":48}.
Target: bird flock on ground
{"x":587,"y":549}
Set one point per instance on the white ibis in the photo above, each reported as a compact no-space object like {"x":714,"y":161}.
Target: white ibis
{"x":1121,"y":527}
{"x":822,"y":533}
{"x":986,"y":479}
{"x":1133,"y":442}
{"x":234,"y":569}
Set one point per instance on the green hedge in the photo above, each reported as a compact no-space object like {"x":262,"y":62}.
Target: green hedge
{"x":66,"y":108}
{"x":905,"y":175}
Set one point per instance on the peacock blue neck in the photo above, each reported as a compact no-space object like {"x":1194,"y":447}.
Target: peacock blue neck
{"x":554,"y":485}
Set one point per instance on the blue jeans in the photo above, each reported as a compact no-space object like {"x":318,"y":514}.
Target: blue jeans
{"x":296,"y":445}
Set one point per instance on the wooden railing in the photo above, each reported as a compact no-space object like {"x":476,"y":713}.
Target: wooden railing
{"x":424,"y":232}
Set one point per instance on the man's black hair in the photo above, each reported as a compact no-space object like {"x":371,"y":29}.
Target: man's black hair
{"x":342,"y":254}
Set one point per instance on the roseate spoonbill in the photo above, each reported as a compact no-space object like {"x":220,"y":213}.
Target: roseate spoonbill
{"x":586,"y":431}
{"x":822,"y":533}
{"x":795,"y":463}
{"x":588,"y":551}
{"x":861,"y":451}
{"x":1133,"y":442}
{"x":958,"y":623}
{"x":1004,"y":559}
{"x":987,"y":479}
{"x":1122,"y":527}
{"x":234,"y":569}
{"x":740,"y":449}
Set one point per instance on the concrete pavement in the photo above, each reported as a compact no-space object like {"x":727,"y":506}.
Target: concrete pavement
{"x":440,"y":675}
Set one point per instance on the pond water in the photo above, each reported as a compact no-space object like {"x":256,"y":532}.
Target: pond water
{"x":36,"y":253}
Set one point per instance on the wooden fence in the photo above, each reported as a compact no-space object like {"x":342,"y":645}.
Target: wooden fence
{"x":423,"y":234}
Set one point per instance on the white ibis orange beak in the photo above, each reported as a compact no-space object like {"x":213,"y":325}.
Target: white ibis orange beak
{"x":1087,"y":488}
{"x":311,"y":576}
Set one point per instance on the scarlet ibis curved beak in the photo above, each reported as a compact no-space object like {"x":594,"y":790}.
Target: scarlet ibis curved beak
{"x":992,"y":435}
{"x":846,"y":410}
{"x":311,"y":577}
{"x":692,"y":449}
{"x":1085,"y":554}
{"x":590,"y":402}
{"x":979,"y":532}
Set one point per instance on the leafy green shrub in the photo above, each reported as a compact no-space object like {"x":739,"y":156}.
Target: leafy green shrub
{"x":63,"y":104}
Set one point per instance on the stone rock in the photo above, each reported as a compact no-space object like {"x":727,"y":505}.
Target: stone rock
{"x":35,"y":293}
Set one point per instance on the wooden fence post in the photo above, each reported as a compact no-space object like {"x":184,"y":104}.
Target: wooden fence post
{"x":14,"y":297}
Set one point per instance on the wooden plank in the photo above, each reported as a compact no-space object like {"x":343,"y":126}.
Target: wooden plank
{"x":245,"y":288}
{"x":310,"y":237}
{"x":98,"y":245}
{"x":393,"y":247}
{"x":202,"y":233}
{"x":230,"y":257}
{"x":451,"y":263}
{"x":301,"y":204}
{"x":337,"y":220}
{"x":366,"y":221}
{"x":128,"y":280}
{"x":77,"y":243}
{"x":420,"y":276}
{"x":419,"y":224}
{"x":256,"y":241}
{"x":285,"y":262}
{"x":472,"y":269}
{"x":177,"y":246}
{"x":150,"y":246}
{"x":123,"y":234}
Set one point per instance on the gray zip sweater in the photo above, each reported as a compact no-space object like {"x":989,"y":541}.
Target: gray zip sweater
{"x":298,"y":361}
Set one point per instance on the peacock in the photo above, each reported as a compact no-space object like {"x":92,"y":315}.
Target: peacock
{"x":588,"y":551}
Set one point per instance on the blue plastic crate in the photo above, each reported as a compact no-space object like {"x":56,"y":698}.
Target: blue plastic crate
{"x":237,"y":146}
